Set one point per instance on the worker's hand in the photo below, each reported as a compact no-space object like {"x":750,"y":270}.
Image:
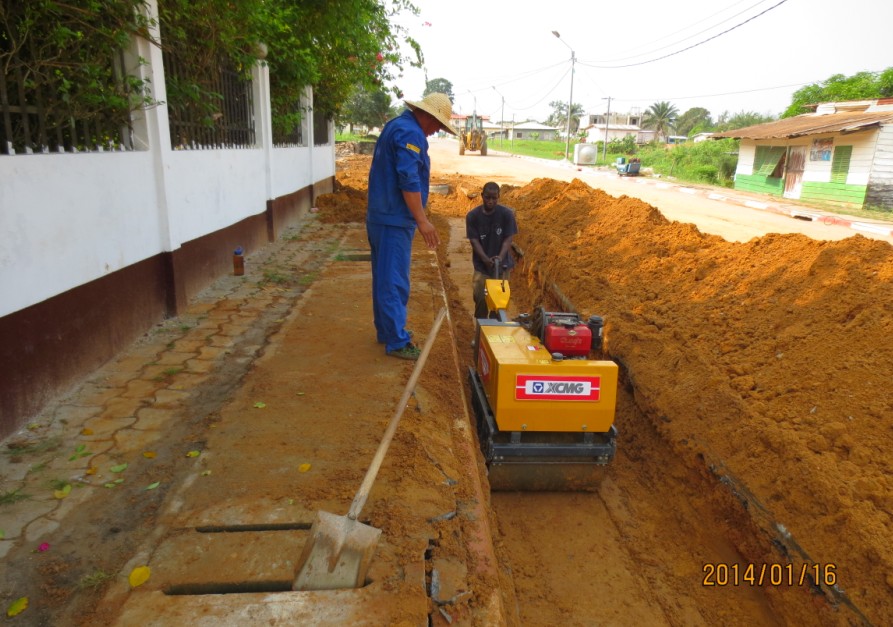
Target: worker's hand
{"x":429,"y":233}
{"x":494,"y":261}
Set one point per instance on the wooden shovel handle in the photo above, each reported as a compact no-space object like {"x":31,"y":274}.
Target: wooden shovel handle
{"x":363,"y":493}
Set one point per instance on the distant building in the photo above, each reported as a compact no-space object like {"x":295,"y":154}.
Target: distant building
{"x":533,"y":130}
{"x":615,"y":126}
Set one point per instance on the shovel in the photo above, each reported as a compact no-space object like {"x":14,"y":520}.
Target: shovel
{"x":339,"y":551}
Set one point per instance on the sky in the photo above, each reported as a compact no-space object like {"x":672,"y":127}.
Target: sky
{"x":722,"y":55}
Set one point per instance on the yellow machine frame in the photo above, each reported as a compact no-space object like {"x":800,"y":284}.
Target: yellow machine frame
{"x":530,"y":391}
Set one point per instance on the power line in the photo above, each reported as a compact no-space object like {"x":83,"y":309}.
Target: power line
{"x":730,"y":93}
{"x":689,"y":36}
{"x":666,"y":56}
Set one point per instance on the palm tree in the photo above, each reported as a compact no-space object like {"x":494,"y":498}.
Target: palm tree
{"x":661,"y":117}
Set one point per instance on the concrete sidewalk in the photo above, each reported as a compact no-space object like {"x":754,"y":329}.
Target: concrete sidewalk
{"x":208,"y":447}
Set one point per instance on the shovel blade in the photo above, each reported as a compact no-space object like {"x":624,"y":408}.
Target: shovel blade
{"x":337,"y":555}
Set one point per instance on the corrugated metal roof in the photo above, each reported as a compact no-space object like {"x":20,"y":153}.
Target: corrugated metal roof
{"x":811,"y":124}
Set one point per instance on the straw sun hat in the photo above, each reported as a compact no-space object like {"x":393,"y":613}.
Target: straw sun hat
{"x":438,"y":105}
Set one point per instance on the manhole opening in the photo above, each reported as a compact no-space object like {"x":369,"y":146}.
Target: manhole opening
{"x":260,"y":527}
{"x":355,"y":257}
{"x":241,"y":587}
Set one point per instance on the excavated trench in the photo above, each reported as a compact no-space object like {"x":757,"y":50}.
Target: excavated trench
{"x":747,"y":487}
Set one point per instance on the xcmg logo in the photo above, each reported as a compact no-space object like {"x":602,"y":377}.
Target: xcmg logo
{"x":542,"y":387}
{"x":557,"y":387}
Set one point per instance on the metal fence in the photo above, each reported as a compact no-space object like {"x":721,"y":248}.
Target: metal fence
{"x":35,"y":119}
{"x":292,"y":137}
{"x":218,"y":113}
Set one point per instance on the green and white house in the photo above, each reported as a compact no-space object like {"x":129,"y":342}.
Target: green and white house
{"x":840,"y":154}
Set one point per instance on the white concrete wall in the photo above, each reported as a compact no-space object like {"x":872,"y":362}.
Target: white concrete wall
{"x":67,"y":219}
{"x":208,"y":190}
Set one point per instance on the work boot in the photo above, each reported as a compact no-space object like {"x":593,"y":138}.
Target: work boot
{"x":410,"y":351}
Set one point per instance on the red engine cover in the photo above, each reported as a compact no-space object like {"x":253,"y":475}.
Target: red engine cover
{"x":570,"y":342}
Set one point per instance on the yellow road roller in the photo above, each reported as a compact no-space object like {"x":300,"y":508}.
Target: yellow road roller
{"x":544,"y":409}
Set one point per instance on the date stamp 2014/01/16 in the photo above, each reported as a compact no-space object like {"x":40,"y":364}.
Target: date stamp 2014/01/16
{"x":721,"y":574}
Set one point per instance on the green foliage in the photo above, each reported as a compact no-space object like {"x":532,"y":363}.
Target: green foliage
{"x":729,"y":122}
{"x":625,"y":146}
{"x":370,"y":108}
{"x":333,"y":47}
{"x":65,"y":57}
{"x":330,"y":46}
{"x":693,"y":121}
{"x":836,"y":88}
{"x":532,"y":148}
{"x":661,"y":118}
{"x":558,"y":117}
{"x":712,"y":162}
{"x":440,"y":85}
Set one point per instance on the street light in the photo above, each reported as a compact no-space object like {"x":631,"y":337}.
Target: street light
{"x":501,"y":117}
{"x":607,"y":121}
{"x":570,"y":102}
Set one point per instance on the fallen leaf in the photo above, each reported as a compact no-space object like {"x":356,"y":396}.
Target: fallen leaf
{"x":300,"y":394}
{"x":61,"y":494}
{"x":152,"y":486}
{"x":206,"y":473}
{"x":86,"y":431}
{"x":119,"y":468}
{"x":260,"y":404}
{"x":91,"y":471}
{"x":18,"y":606}
{"x":303,"y":467}
{"x":149,"y":454}
{"x":138,"y":576}
{"x":193,"y":453}
{"x":2,"y":534}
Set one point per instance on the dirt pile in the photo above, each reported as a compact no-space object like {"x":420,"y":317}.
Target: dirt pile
{"x":769,"y":358}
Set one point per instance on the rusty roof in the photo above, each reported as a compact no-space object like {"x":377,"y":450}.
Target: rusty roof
{"x":811,"y":124}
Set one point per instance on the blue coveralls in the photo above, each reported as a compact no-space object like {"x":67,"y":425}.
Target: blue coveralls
{"x":400,"y":163}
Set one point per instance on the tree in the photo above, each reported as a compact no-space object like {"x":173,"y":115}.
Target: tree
{"x":368,"y":107}
{"x":661,"y":118}
{"x":693,"y":121}
{"x":332,"y":46}
{"x":859,"y":86}
{"x":558,"y":117}
{"x":440,"y":85}
{"x":729,"y":122}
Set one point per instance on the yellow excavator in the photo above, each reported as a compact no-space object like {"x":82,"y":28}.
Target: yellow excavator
{"x":473,"y":138}
{"x":544,"y":409}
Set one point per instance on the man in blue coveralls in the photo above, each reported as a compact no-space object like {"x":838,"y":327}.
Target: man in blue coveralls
{"x":398,"y":193}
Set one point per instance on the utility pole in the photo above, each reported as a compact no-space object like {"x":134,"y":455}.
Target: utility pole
{"x":607,"y":121}
{"x":513,"y":133}
{"x":501,"y":117}
{"x":570,"y":102}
